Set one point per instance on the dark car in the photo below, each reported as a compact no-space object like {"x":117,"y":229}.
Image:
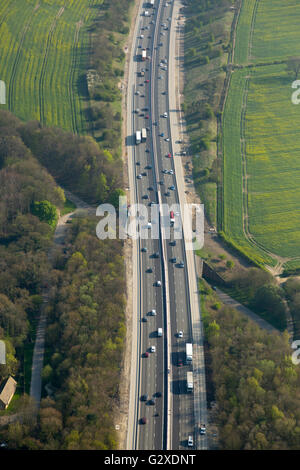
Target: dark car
{"x":155,"y":255}
{"x":148,"y":167}
{"x":149,"y":270}
{"x":150,"y":188}
{"x":173,"y":243}
{"x":144,"y":249}
{"x":145,"y":196}
{"x":173,"y":260}
{"x":144,"y":420}
{"x":144,"y":397}
{"x":157,"y":394}
{"x":146,"y":354}
{"x":151,"y":402}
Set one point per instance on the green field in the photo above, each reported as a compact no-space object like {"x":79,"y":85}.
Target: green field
{"x":261,"y":140}
{"x":43,"y":50}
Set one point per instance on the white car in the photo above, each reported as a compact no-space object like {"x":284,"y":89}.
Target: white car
{"x":158,"y":283}
{"x":165,"y":115}
{"x":202,"y":429}
{"x":190,"y":441}
{"x":153,"y":312}
{"x":152,"y":349}
{"x":180,"y":334}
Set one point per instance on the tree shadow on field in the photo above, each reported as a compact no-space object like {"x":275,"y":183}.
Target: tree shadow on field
{"x":82,"y":87}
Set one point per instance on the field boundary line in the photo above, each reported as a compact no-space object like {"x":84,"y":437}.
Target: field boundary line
{"x":222,"y":103}
{"x":250,"y":42}
{"x":79,"y":24}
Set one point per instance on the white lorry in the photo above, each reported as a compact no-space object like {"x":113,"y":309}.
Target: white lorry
{"x":189,"y":352}
{"x":138,"y":137}
{"x":189,"y":381}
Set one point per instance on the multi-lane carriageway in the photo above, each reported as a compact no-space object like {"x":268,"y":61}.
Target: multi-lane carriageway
{"x":162,"y":414}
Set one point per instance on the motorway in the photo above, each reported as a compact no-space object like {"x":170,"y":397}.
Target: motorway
{"x":171,"y":417}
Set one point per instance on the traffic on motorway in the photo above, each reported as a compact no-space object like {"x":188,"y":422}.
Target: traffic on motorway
{"x":165,"y":408}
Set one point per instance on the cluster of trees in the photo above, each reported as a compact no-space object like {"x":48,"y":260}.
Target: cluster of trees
{"x":255,"y":381}
{"x":76,"y":162}
{"x":109,"y":29}
{"x":261,"y":293}
{"x":25,"y":236}
{"x":86,"y":285}
{"x":85,"y":337}
{"x":291,"y":288}
{"x":207,"y":40}
{"x":84,"y":342}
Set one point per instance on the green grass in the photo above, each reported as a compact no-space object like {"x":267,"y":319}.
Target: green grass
{"x":233,"y":171}
{"x":259,"y":110}
{"x":267,"y":30}
{"x":272,"y":149}
{"x":276,"y":30}
{"x":43,"y":50}
{"x":243,"y":31}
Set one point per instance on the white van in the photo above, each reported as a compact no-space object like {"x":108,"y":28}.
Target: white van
{"x":159,"y":332}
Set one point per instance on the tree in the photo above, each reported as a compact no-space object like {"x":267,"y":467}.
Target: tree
{"x":46,"y":212}
{"x":230,"y":264}
{"x":114,"y":197}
